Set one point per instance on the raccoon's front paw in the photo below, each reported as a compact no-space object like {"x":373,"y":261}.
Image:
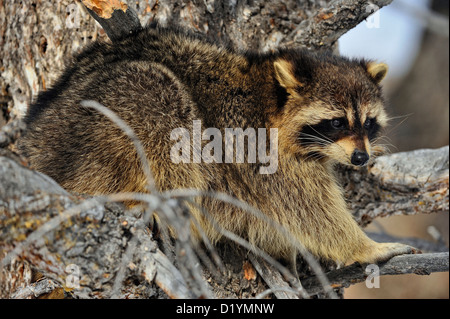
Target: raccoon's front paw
{"x":389,"y":250}
{"x":385,"y":251}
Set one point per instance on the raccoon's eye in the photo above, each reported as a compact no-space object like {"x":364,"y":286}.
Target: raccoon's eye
{"x":338,"y":124}
{"x":368,"y":124}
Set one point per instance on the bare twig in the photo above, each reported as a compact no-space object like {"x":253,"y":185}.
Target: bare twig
{"x":179,"y":219}
{"x":277,"y":285}
{"x":167,"y":275}
{"x":281,"y":292}
{"x":173,"y":214}
{"x":23,"y":191}
{"x":35,"y":289}
{"x":34,"y":182}
{"x":257,"y":251}
{"x":15,"y":171}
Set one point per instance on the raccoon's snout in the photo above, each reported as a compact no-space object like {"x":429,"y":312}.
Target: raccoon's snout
{"x":359,"y":158}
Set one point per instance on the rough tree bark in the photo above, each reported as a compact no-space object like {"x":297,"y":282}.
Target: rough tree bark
{"x":42,"y":227}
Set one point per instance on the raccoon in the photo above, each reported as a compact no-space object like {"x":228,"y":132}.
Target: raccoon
{"x":327,"y":109}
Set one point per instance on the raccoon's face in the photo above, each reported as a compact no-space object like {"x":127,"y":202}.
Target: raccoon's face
{"x":333,"y":108}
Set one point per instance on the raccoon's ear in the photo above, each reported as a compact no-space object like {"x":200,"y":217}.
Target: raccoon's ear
{"x":285,"y":75}
{"x":377,"y":71}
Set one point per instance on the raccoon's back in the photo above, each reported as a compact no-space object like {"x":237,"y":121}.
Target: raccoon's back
{"x":155,"y":81}
{"x":83,"y":150}
{"x":212,"y":75}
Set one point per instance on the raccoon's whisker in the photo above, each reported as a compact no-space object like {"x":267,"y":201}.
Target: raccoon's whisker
{"x":312,"y":145}
{"x":385,"y":147}
{"x":382,"y":137}
{"x":313,"y":137}
{"x":404,"y":118}
{"x":387,"y":143}
{"x":310,"y":141}
{"x":314,"y":155}
{"x":312,"y":148}
{"x":326,"y":138}
{"x":305,"y":135}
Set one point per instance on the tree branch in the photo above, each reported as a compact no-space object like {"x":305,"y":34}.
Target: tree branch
{"x":401,"y":183}
{"x":422,"y":264}
{"x":319,"y":31}
{"x":324,"y":28}
{"x":278,"y":286}
{"x":118,"y":21}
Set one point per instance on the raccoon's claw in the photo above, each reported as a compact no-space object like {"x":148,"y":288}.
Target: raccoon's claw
{"x":415,"y":250}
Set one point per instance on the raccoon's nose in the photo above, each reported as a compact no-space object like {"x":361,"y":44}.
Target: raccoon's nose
{"x":360,"y":158}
